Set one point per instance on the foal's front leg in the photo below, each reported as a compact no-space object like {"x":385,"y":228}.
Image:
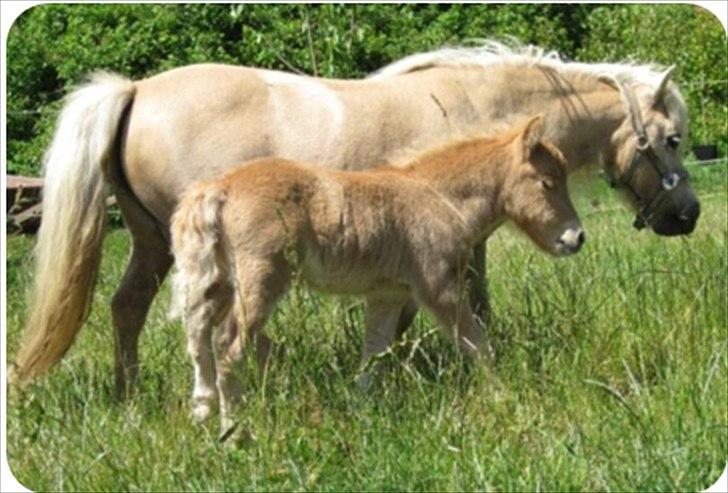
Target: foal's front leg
{"x":383,"y":314}
{"x":478,"y":285}
{"x":448,"y":302}
{"x":458,"y":322}
{"x":477,"y":289}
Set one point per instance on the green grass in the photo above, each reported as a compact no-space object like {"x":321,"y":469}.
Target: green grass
{"x":612,"y":376}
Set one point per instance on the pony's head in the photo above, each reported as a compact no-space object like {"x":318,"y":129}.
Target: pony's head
{"x":644,"y":158}
{"x":535,"y":193}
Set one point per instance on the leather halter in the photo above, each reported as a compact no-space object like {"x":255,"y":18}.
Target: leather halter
{"x":669,"y":179}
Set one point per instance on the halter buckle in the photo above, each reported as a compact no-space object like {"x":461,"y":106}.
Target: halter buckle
{"x":642,"y":143}
{"x":670,"y":181}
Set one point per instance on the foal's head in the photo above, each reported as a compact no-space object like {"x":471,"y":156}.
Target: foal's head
{"x":535,"y":193}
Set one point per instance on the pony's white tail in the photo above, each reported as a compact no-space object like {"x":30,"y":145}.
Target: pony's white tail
{"x":200,"y":259}
{"x":68,"y":248}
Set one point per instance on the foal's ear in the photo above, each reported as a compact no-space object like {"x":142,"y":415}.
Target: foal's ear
{"x":532,"y":133}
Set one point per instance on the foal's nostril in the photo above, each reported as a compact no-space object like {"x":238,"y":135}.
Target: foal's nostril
{"x":572,"y":239}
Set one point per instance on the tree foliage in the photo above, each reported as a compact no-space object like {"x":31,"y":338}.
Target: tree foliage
{"x":52,"y":47}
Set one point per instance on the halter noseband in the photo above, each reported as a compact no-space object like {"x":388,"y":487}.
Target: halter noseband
{"x":668,"y":179}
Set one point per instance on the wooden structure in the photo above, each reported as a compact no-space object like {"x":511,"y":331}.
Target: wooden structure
{"x":23,"y":205}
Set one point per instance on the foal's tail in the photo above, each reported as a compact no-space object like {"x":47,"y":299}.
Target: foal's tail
{"x":200,"y":259}
{"x":68,"y":248}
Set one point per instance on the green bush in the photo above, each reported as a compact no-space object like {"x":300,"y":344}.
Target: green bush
{"x":52,"y":47}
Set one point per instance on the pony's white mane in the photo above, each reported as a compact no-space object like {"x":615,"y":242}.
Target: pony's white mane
{"x":491,"y":53}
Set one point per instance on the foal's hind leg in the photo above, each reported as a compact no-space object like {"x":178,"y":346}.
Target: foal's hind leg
{"x":206,"y":314}
{"x":260,"y":284}
{"x":150,"y":261}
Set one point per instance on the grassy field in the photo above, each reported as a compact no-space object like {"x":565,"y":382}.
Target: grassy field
{"x":612,"y":375}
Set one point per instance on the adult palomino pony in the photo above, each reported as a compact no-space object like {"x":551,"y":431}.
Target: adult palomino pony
{"x":388,"y":234}
{"x":150,"y":139}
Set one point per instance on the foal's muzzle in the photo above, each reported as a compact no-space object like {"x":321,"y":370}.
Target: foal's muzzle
{"x":570,"y":241}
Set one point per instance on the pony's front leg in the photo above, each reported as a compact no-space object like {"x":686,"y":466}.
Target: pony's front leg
{"x":477,"y":289}
{"x":406,"y":317}
{"x":459,"y":323}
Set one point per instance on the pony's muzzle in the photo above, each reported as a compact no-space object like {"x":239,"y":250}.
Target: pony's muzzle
{"x":678,"y":222}
{"x":571,"y":240}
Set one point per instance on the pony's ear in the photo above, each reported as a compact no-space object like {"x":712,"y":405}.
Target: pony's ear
{"x":662,"y":87}
{"x":532,"y":133}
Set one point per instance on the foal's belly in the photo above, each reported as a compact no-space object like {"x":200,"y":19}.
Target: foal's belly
{"x":341,"y":276}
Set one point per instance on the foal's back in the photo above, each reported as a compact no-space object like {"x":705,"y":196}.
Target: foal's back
{"x":344,"y":226}
{"x":294,"y":193}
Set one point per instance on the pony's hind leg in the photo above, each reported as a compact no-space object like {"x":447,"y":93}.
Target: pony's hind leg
{"x":149,"y":263}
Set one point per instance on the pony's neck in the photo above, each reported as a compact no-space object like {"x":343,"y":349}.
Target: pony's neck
{"x":585,"y":134}
{"x":468,"y":177}
{"x":581,"y":112}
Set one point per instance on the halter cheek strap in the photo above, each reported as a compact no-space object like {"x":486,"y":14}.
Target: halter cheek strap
{"x":668,"y":179}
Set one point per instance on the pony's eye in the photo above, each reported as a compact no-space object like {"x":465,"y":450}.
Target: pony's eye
{"x":673,"y":141}
{"x":548,"y":184}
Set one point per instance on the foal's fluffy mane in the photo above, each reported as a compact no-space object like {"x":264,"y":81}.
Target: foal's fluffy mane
{"x":407,"y":156}
{"x":491,"y":53}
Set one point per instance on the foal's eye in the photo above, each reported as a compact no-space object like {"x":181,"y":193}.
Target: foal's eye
{"x":548,"y":184}
{"x":673,"y":141}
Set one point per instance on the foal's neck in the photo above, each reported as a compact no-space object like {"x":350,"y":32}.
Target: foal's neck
{"x":469,"y":175}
